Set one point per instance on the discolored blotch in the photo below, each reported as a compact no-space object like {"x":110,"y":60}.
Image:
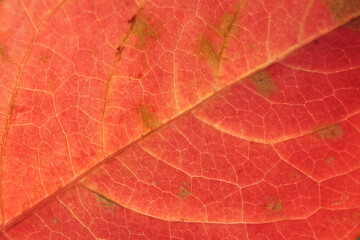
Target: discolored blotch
{"x":329,"y":160}
{"x":143,"y":31}
{"x":183,"y":192}
{"x":341,"y":9}
{"x":207,"y":50}
{"x":119,"y":50}
{"x":3,"y":53}
{"x":252,"y":46}
{"x":43,"y":59}
{"x":354,"y":25}
{"x":344,"y":198}
{"x":132,"y":19}
{"x":104,"y":202}
{"x":227,"y":24}
{"x":331,"y":132}
{"x":263,"y":83}
{"x":55,"y":220}
{"x":148,"y":119}
{"x":274,"y":205}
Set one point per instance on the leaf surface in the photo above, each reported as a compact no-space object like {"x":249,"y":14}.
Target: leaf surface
{"x":234,"y":150}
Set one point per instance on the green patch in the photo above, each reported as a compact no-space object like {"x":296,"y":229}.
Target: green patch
{"x":341,"y":9}
{"x":354,"y":25}
{"x":55,"y":220}
{"x":331,"y":132}
{"x":263,"y":83}
{"x":143,"y":31}
{"x":207,"y":50}
{"x":226,"y":24}
{"x":148,"y":119}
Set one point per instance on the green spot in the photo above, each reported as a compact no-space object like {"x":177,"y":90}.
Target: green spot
{"x":184,"y":191}
{"x":55,"y":220}
{"x":329,"y":160}
{"x":263,"y":83}
{"x":331,"y":132}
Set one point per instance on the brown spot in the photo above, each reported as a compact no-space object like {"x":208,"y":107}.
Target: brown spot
{"x":341,"y":9}
{"x":263,"y":83}
{"x":143,"y":31}
{"x":331,"y":132}
{"x":183,"y":192}
{"x":207,"y":50}
{"x":148,"y":119}
{"x":132,"y":19}
{"x":354,"y":24}
{"x":274,"y":205}
{"x":119,"y":50}
{"x":55,"y":220}
{"x":316,"y":41}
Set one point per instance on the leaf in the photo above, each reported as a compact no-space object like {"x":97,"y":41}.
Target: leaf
{"x":158,"y":120}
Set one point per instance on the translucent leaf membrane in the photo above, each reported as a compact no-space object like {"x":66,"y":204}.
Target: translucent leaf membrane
{"x":273,"y":156}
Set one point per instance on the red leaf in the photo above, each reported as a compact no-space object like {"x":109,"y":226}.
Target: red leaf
{"x":169,"y":119}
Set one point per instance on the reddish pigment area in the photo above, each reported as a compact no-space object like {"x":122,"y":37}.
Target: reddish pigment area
{"x":247,"y":153}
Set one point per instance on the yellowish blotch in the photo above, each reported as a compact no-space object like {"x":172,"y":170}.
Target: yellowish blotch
{"x":354,"y":25}
{"x":148,"y":119}
{"x":143,"y":31}
{"x":263,"y":83}
{"x":340,"y":9}
{"x":331,"y":132}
